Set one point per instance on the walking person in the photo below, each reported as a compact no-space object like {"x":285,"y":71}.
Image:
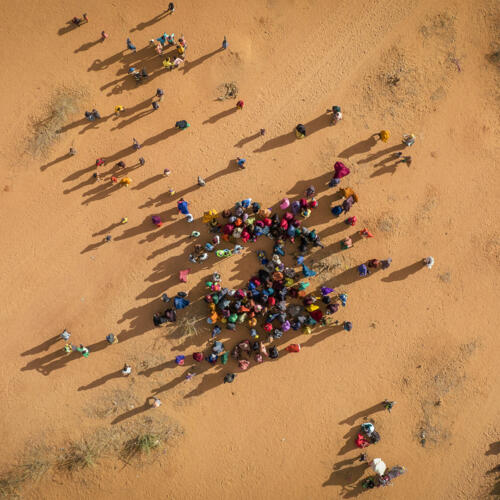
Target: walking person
{"x":156,"y":403}
{"x":65,"y":335}
{"x":104,"y":35}
{"x":155,"y":105}
{"x":72,"y":151}
{"x":224,"y":43}
{"x":135,"y":144}
{"x":170,"y":8}
{"x":160,"y":94}
{"x":96,"y":114}
{"x":127,"y":370}
{"x":118,"y":110}
{"x":240,"y":104}
{"x":142,"y":161}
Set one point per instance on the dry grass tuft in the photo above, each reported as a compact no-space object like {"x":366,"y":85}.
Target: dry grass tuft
{"x":45,"y":132}
{"x":81,"y":455}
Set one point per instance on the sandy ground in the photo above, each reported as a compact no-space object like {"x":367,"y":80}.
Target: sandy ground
{"x":284,"y":429}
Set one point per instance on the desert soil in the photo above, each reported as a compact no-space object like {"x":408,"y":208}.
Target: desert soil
{"x":283,"y":429}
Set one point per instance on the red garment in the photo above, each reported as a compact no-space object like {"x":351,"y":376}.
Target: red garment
{"x":361,"y":441}
{"x":198,"y":356}
{"x":340,"y":170}
{"x":293,"y":348}
{"x":316,"y":315}
{"x":240,"y":104}
{"x":267,"y":221}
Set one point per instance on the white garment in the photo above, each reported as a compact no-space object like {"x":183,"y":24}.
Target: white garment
{"x":378,"y":466}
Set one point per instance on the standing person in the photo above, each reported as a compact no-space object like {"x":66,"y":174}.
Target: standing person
{"x":182,"y":124}
{"x":388,"y":405}
{"x":96,"y":114}
{"x":240,"y":104}
{"x":131,"y":46}
{"x":90,"y":116}
{"x":85,"y":18}
{"x":429,"y":262}
{"x":126,"y":181}
{"x":182,"y":206}
{"x":142,"y":161}
{"x":104,"y":35}
{"x":127,"y":370}
{"x":240,"y":162}
{"x":409,"y":139}
{"x":111,"y":339}
{"x":383,"y":135}
{"x":160,"y":94}
{"x":156,"y":402}
{"x":300,"y":131}
{"x":156,"y":105}
{"x":181,"y":50}
{"x":121,"y":164}
{"x":83,"y":350}
{"x":99,"y":162}
{"x":171,"y":8}
{"x":336,"y":114}
{"x":65,"y":335}
{"x":224,"y":43}
{"x":135,"y":144}
{"x":118,"y":110}
{"x":72,"y":151}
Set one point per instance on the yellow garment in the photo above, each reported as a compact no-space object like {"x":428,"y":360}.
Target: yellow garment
{"x":307,"y":330}
{"x":126,"y":181}
{"x":299,"y":135}
{"x":167,"y":63}
{"x":209,"y":215}
{"x":180,"y":50}
{"x":312,"y":307}
{"x":119,"y":108}
{"x":384,"y":135}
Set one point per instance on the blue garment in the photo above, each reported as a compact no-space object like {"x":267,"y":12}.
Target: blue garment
{"x":246,"y":202}
{"x":180,"y":302}
{"x":130,"y":45}
{"x":363,"y":270}
{"x":337,"y":210}
{"x":183,"y":207}
{"x":307,"y":271}
{"x":300,"y":260}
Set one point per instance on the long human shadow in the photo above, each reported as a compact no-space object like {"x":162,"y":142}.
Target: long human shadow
{"x":100,"y":381}
{"x":158,"y":368}
{"x":189,"y":65}
{"x":83,"y":121}
{"x":154,"y":20}
{"x":126,"y":57}
{"x":494,"y":449}
{"x":88,"y":45}
{"x":42,"y":347}
{"x":246,"y":140}
{"x":93,"y":246}
{"x":349,"y":444}
{"x":165,"y":197}
{"x":54,"y":162}
{"x":132,"y":413}
{"x":387,"y":169}
{"x":320,"y":122}
{"x":101,"y":191}
{"x":346,"y":478}
{"x":405,"y":272}
{"x":219,"y":116}
{"x":379,"y":154}
{"x":351,"y":420}
{"x":132,"y":119}
{"x":66,"y":29}
{"x":359,"y":148}
{"x":106,"y":230}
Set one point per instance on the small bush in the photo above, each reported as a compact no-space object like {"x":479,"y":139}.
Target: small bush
{"x":80,"y":456}
{"x":140,"y":444}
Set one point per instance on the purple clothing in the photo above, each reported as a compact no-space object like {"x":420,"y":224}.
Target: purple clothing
{"x":340,"y":170}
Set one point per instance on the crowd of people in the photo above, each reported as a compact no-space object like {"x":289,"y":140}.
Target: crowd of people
{"x":278,"y":299}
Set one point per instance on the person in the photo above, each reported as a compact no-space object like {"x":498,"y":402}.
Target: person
{"x":111,"y":339}
{"x":99,"y":162}
{"x":336,"y":114}
{"x":224,"y":43}
{"x":429,"y":262}
{"x":156,"y":221}
{"x":124,"y":220}
{"x":378,"y":466}
{"x":156,"y":402}
{"x":156,"y":105}
{"x":383,"y":135}
{"x":126,"y":181}
{"x":85,"y":18}
{"x":182,"y":124}
{"x":160,"y":94}
{"x":108,"y":238}
{"x":68,"y":349}
{"x":171,"y":7}
{"x":83,"y":350}
{"x":365,"y":232}
{"x":72,"y":151}
{"x":121,"y":164}
{"x":135,"y":144}
{"x":363,"y":270}
{"x":171,"y":39}
{"x":262,"y":132}
{"x":201,"y":181}
{"x":388,"y":405}
{"x":182,"y":206}
{"x":180,"y":50}
{"x":65,"y":335}
{"x":104,"y":35}
{"x":361,"y":441}
{"x":118,"y":110}
{"x":240,"y":104}
{"x":166,"y":172}
{"x":409,"y":139}
{"x":300,"y":131}
{"x":167,"y":64}
{"x":131,"y":46}
{"x":347,"y":326}
{"x":346,"y":243}
{"x":229,"y":377}
{"x":374,"y":263}
{"x":182,"y":42}
{"x":142,"y":161}
{"x":384,"y":264}
{"x":127,"y":370}
{"x":405,"y":159}
{"x":178,"y":61}
{"x":96,"y":114}
{"x":240,"y":162}
{"x":90,"y":116}
{"x":351,"y":221}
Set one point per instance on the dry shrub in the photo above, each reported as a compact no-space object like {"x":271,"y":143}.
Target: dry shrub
{"x":45,"y":131}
